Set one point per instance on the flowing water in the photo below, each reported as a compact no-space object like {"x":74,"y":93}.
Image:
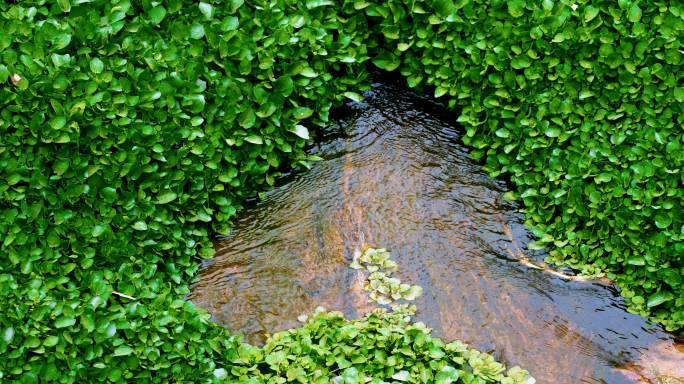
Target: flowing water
{"x":395,"y":176}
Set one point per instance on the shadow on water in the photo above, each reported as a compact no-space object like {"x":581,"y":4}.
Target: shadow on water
{"x":394,"y":175}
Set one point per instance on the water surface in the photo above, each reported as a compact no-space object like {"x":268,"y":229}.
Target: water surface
{"x":395,"y":176}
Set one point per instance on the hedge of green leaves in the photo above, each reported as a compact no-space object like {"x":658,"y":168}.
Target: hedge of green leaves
{"x":582,"y":104}
{"x":130,"y":131}
{"x":136,"y":130}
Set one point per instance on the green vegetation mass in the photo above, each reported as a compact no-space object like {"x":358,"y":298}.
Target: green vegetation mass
{"x":330,"y":349}
{"x":581,"y":104}
{"x":131,"y":131}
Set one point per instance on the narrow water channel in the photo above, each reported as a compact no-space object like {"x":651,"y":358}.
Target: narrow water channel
{"x":395,"y":176}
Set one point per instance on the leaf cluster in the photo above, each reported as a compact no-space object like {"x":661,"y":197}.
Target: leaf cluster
{"x":380,"y":348}
{"x":131,"y":131}
{"x":383,"y":288}
{"x":136,"y":130}
{"x":581,"y":105}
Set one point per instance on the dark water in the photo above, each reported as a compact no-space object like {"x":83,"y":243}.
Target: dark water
{"x":394,"y":176}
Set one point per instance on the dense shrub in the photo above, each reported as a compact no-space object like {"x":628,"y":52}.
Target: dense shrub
{"x":583,"y":106}
{"x":131,"y":131}
{"x":136,"y":130}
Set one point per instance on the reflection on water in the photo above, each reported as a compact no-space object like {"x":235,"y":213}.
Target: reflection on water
{"x":394,"y":176}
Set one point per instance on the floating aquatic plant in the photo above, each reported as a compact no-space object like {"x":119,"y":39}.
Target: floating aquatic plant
{"x":383,"y":288}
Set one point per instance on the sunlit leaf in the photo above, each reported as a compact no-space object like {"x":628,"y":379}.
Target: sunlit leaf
{"x":301,"y":131}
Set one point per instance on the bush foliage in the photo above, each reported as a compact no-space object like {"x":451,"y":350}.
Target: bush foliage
{"x":583,"y":106}
{"x":136,"y":131}
{"x":130,"y":131}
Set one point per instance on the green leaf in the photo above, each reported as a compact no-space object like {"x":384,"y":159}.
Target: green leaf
{"x":64,"y":5}
{"x":516,"y":8}
{"x":254,"y":139}
{"x":634,"y":13}
{"x":658,"y":298}
{"x":4,"y":73}
{"x":302,"y":113}
{"x":140,"y":225}
{"x":444,"y":8}
{"x":311,"y":4}
{"x":284,"y":85}
{"x":96,"y":65}
{"x":585,"y":94}
{"x":64,"y":321}
{"x":447,"y":375}
{"x":8,"y":335}
{"x":360,"y":4}
{"x":197,"y":31}
{"x":414,"y":81}
{"x":351,"y":376}
{"x":166,"y":197}
{"x":552,"y":131}
{"x":414,"y":292}
{"x":301,"y":131}
{"x":387,"y":61}
{"x":353,"y":96}
{"x":679,"y":94}
{"x":98,"y":230}
{"x":109,"y":331}
{"x":590,"y":13}
{"x":308,"y":72}
{"x":266,"y":110}
{"x":663,"y":220}
{"x":636,"y":260}
{"x":196,"y":121}
{"x":440,"y":91}
{"x":247,"y":118}
{"x":61,"y":166}
{"x":220,"y":373}
{"x":60,"y":60}
{"x":61,"y":40}
{"x":51,"y":341}
{"x":108,"y":193}
{"x":521,"y":62}
{"x":234,"y":5}
{"x":123,"y":350}
{"x":207,"y":10}
{"x":503,"y":133}
{"x":57,"y":122}
{"x":401,"y":376}
{"x":402,"y":47}
{"x":157,"y":14}
{"x":230,"y":23}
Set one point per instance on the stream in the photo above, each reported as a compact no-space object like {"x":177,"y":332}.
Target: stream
{"x":395,"y":176}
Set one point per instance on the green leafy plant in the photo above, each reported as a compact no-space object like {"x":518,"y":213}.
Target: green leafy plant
{"x":383,"y":347}
{"x":131,"y":131}
{"x":383,"y":288}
